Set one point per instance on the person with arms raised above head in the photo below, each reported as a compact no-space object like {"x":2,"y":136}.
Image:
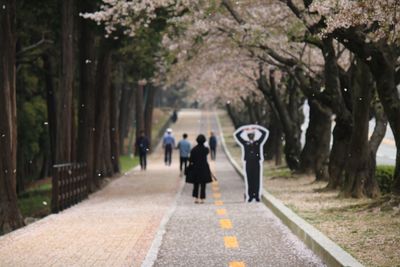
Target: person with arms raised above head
{"x":251,"y":138}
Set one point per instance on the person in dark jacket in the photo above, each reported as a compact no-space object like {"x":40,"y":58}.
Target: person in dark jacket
{"x":142,"y":146}
{"x":199,"y":173}
{"x":252,"y":138}
{"x":212,"y":142}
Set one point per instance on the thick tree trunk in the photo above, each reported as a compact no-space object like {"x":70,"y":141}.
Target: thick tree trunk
{"x":127,"y":107}
{"x":148,"y":112}
{"x":292,"y":134}
{"x":65,"y":94}
{"x":314,"y":157}
{"x":114,"y":129}
{"x":51,"y":103}
{"x":87,"y":99}
{"x":337,"y":159}
{"x":10,"y":216}
{"x":231,"y":114}
{"x":360,"y":168}
{"x":103,"y":82}
{"x":107,"y":151}
{"x":139,"y":110}
{"x":344,"y":127}
{"x":381,"y":58}
{"x":384,"y":73}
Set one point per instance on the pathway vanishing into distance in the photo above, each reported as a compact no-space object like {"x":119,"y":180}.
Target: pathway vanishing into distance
{"x":146,"y":218}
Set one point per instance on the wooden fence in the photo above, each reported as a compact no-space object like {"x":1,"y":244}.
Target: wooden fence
{"x":70,"y":185}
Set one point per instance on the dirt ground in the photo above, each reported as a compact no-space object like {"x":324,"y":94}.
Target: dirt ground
{"x":367,"y":229}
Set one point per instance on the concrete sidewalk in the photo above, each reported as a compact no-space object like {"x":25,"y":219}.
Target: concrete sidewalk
{"x":226,"y":231}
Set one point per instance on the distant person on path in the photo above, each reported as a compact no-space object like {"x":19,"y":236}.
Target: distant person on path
{"x":198,"y":172}
{"x":251,"y":138}
{"x":168,"y":144}
{"x":212,"y":142}
{"x":174,"y":116}
{"x":142,"y":146}
{"x":184,"y":147}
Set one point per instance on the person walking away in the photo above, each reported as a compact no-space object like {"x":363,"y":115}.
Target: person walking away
{"x":199,"y":173}
{"x":142,"y":146}
{"x":212,"y":142}
{"x":252,"y":138}
{"x":174,"y":116}
{"x":184,"y":147}
{"x":168,"y":144}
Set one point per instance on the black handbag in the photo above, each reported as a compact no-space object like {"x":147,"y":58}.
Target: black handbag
{"x":189,"y":173}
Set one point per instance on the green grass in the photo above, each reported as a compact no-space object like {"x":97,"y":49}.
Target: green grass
{"x":36,"y":201}
{"x":127,"y":163}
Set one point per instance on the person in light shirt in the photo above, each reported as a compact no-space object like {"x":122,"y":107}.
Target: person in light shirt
{"x":168,"y":145}
{"x":184,"y":147}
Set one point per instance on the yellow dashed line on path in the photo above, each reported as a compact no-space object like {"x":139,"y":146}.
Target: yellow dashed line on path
{"x":231,"y":242}
{"x":219,"y":203}
{"x":221,"y":212}
{"x":225,"y":223}
{"x":237,"y":264}
{"x":217,"y":195}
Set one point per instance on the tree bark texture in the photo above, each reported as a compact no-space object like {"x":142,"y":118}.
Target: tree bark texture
{"x":148,"y":111}
{"x":65,"y":94}
{"x":103,"y":82}
{"x":87,"y":97}
{"x":51,"y":103}
{"x":360,"y":168}
{"x":114,"y":128}
{"x":139,"y":110}
{"x":126,"y":117}
{"x":314,"y":157}
{"x":10,"y":216}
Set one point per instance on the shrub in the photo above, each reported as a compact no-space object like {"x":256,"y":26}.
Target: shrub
{"x":384,"y":176}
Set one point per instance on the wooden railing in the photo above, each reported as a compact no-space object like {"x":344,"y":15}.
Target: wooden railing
{"x":70,"y":185}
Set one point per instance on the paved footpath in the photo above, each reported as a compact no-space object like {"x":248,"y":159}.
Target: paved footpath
{"x":148,"y":213}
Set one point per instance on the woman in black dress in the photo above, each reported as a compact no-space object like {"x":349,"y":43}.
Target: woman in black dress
{"x":199,"y":173}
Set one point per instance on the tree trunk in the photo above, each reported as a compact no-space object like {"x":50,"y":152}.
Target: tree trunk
{"x":360,"y":169}
{"x":10,"y":216}
{"x":139,"y":110}
{"x":103,"y":81}
{"x":148,"y":112}
{"x":344,"y":127}
{"x":87,"y":98}
{"x":384,"y":74}
{"x":114,"y":128}
{"x":337,"y":159}
{"x":232,"y":116}
{"x":65,"y":95}
{"x":51,"y":103}
{"x":127,"y":105}
{"x":314,"y":157}
{"x":292,"y":135}
{"x":108,"y":166}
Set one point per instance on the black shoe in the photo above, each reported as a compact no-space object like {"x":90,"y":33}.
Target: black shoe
{"x":257,"y":199}
{"x":250,"y":200}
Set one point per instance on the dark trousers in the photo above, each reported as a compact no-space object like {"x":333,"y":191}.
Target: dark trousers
{"x":168,"y":154}
{"x":183,"y":163}
{"x":202,"y":190}
{"x":253,"y":179}
{"x":213,"y":152}
{"x":143,"y":160}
